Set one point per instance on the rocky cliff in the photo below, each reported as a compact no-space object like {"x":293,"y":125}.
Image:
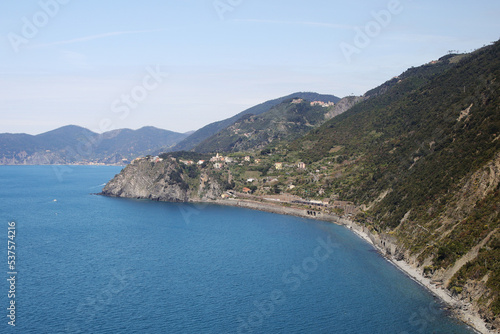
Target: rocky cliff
{"x":164,"y":180}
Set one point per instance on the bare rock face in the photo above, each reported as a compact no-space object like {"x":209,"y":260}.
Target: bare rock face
{"x":343,"y":105}
{"x":208,"y":189}
{"x":147,"y":179}
{"x":160,"y":181}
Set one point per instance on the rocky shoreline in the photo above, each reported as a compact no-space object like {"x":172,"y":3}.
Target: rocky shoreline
{"x":385,"y":246}
{"x":166,"y":181}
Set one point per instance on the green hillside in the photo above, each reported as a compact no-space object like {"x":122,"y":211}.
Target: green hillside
{"x":285,"y":122}
{"x":422,"y":158}
{"x":211,"y":129}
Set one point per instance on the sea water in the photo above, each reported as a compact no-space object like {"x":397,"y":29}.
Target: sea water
{"x":92,"y":264}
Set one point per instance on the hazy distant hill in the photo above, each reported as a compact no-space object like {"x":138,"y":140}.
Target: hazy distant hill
{"x":211,"y":129}
{"x":74,"y":144}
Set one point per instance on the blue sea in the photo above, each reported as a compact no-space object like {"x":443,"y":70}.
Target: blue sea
{"x":92,"y":264}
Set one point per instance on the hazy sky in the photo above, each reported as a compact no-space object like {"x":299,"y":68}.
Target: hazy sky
{"x":180,"y":64}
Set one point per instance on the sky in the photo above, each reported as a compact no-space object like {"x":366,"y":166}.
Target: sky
{"x":179,"y":65}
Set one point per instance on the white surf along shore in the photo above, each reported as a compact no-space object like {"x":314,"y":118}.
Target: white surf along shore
{"x":386,"y":247}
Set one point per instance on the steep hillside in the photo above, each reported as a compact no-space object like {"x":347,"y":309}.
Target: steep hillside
{"x":74,"y":144}
{"x":285,"y":122}
{"x":211,"y":129}
{"x":422,"y":158}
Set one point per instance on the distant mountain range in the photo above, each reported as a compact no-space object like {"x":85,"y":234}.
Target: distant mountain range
{"x":74,"y":144}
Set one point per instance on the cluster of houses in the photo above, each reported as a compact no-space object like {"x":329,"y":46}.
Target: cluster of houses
{"x":322,"y":104}
{"x":148,"y":158}
{"x":219,"y":161}
{"x":315,"y":103}
{"x":221,"y":158}
{"x":280,"y":165}
{"x":191,"y":162}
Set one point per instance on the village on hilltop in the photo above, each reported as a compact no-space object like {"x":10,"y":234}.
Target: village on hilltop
{"x":267,"y":179}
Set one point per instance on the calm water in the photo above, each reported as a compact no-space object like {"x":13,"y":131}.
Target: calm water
{"x":91,"y":264}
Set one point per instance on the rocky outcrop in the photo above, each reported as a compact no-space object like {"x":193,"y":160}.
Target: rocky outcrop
{"x":209,"y":189}
{"x":343,"y":105}
{"x":162,"y":181}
